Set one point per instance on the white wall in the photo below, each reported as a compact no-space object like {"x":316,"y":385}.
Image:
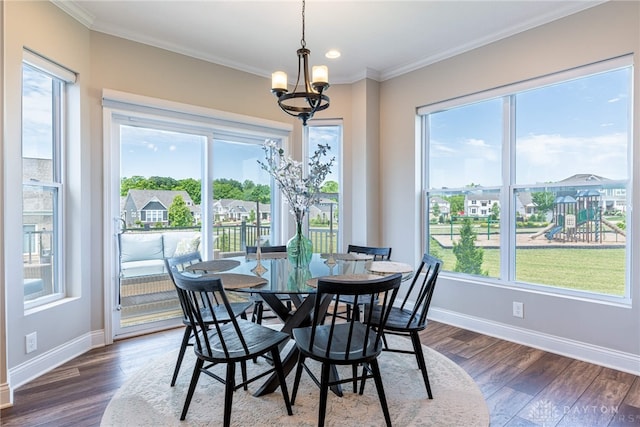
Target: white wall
{"x":64,"y":328}
{"x":605,"y":333}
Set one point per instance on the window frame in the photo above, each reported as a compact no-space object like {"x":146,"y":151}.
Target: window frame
{"x":509,"y":188}
{"x":61,"y":79}
{"x":307,"y":152}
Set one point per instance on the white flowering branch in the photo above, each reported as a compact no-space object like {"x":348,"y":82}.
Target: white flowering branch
{"x":300,"y":192}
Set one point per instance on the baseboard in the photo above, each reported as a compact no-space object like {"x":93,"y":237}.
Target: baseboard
{"x":602,"y":356}
{"x":45,"y":362}
{"x":6,"y":396}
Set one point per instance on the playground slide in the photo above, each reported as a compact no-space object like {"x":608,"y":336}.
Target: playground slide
{"x":549,"y":234}
{"x":543,"y":231}
{"x":613,"y":227}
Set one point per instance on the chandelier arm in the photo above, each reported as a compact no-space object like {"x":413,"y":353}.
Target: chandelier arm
{"x":302,"y":64}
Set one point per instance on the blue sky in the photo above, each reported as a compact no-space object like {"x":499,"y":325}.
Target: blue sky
{"x":36,"y":127}
{"x":149,"y":152}
{"x":571,"y":128}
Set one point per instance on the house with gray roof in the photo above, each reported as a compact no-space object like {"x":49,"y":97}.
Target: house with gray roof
{"x":150,"y":207}
{"x":239,"y":210}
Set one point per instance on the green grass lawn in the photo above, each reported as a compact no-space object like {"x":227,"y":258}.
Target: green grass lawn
{"x":593,"y":270}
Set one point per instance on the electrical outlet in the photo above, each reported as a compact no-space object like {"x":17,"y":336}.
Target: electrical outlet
{"x":31,"y":341}
{"x":518,"y":309}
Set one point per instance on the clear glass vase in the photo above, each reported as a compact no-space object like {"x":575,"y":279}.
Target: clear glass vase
{"x":299,"y":249}
{"x":298,"y":278}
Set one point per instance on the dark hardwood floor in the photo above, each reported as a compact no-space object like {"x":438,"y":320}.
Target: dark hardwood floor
{"x":523,"y":386}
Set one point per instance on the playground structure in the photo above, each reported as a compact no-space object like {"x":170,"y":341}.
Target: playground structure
{"x":578,"y":218}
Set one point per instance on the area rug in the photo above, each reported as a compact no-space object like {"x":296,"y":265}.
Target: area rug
{"x":147,"y":399}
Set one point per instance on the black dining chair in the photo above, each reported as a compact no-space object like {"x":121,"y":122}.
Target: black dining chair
{"x":179,"y":263}
{"x":410,"y":317}
{"x":258,"y":304}
{"x":332,"y":341}
{"x":266,"y":249}
{"x":225,"y":339}
{"x":379,"y":254}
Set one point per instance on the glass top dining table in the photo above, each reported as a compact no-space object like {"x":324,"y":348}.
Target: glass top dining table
{"x":282,"y":278}
{"x":277,"y":282}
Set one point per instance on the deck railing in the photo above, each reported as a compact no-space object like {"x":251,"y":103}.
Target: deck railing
{"x":236,"y":237}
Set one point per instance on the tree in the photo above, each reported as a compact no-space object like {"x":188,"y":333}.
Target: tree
{"x":161,"y":183}
{"x":468,"y":257}
{"x":227,"y":189}
{"x":136,"y":182}
{"x":435,"y":211}
{"x":179,"y":213}
{"x":329,"y":187}
{"x":192,"y":187}
{"x":495,"y":211}
{"x":456,"y":204}
{"x":543,"y":200}
{"x":260,"y":193}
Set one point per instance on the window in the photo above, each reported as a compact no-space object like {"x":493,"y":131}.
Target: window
{"x":533,"y":180}
{"x":324,"y":216}
{"x":43,"y":140}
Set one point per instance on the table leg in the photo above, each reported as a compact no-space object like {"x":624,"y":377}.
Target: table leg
{"x":299,"y":318}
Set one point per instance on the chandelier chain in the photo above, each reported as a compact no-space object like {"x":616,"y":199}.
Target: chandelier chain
{"x":303,"y":43}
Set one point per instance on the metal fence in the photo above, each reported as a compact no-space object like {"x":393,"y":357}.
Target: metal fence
{"x":236,"y":237}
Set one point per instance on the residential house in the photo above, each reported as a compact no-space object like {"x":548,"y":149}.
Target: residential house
{"x":480,"y":205}
{"x":442,"y":206}
{"x":150,"y":207}
{"x":612,"y":199}
{"x":239,"y":210}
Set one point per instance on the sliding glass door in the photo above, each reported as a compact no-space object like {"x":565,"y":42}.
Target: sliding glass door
{"x":160,"y":188}
{"x":181,"y":189}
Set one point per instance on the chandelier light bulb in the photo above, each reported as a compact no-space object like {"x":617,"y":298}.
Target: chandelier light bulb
{"x":320,"y":75}
{"x":279,"y":81}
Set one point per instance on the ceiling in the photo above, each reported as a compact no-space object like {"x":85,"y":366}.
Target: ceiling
{"x":377,"y":39}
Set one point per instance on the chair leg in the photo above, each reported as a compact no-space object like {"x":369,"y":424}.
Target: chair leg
{"x":296,"y":381}
{"x":364,"y":378}
{"x":275,"y":355}
{"x":417,"y":348}
{"x":354,"y":372}
{"x":192,"y":387}
{"x":243,"y":368}
{"x":355,"y":312}
{"x":183,"y":348}
{"x":324,"y":391}
{"x":228,"y":393}
{"x":256,"y":316}
{"x":375,"y":369}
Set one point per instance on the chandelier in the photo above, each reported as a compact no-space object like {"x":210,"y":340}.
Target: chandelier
{"x":307,"y":97}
